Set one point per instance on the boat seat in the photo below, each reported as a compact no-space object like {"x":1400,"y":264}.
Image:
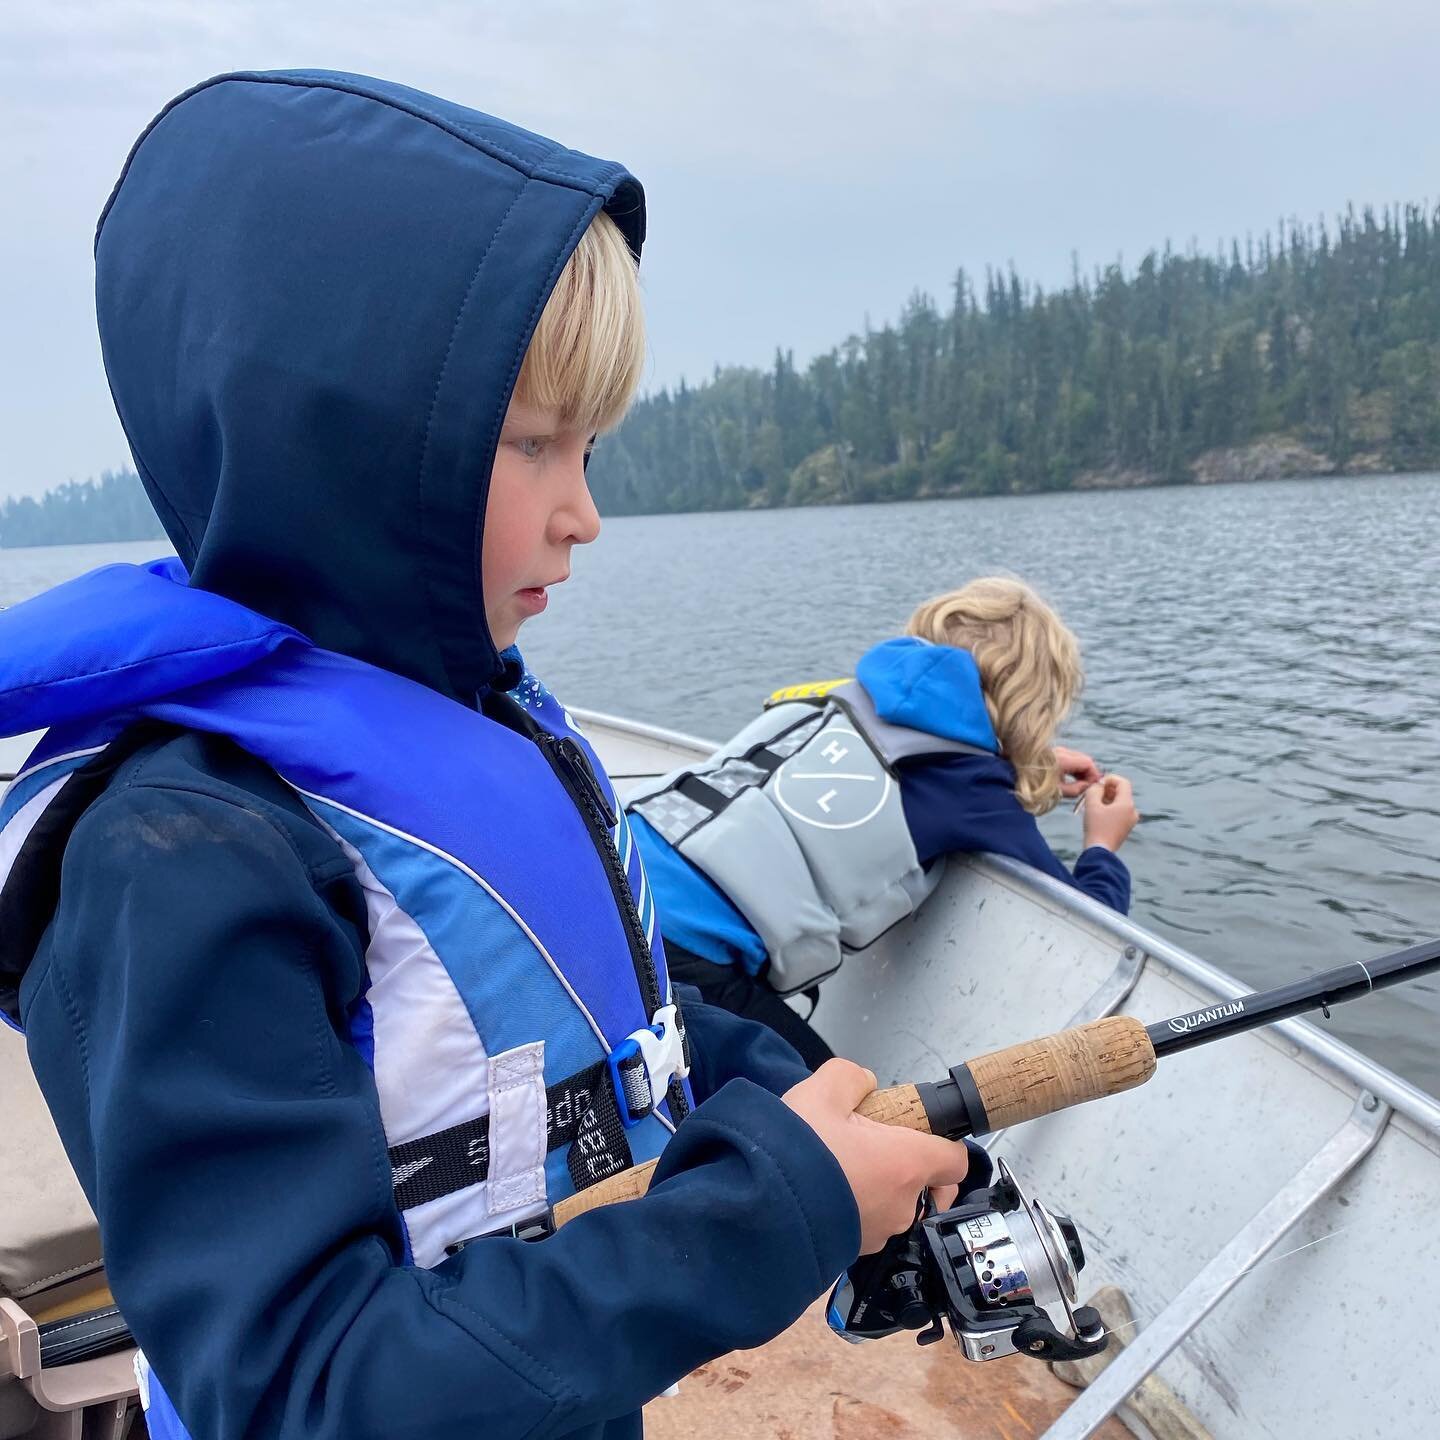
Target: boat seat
{"x":49,"y":1240}
{"x":50,"y":1271}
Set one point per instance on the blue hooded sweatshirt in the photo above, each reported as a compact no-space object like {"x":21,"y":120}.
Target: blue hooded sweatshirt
{"x":955,"y":803}
{"x":314,"y":295}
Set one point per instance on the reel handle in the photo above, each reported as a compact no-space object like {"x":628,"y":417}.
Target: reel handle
{"x":988,"y":1093}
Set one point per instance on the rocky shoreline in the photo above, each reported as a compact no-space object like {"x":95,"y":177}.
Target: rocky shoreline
{"x":1275,"y":457}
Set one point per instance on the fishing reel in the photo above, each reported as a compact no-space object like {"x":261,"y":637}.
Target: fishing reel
{"x":1000,"y":1267}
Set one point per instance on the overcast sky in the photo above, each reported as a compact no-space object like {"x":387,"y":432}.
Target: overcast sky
{"x":808,"y":162}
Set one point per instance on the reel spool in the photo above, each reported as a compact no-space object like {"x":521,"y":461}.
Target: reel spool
{"x":1002,"y":1268}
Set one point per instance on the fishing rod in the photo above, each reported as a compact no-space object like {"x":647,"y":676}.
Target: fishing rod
{"x":1108,"y":1056}
{"x":1000,"y":1266}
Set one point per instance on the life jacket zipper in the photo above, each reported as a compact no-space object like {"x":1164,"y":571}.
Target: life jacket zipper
{"x":574,"y":772}
{"x":571,"y":760}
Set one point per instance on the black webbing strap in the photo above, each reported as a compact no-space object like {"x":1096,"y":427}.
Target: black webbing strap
{"x":768,"y":760}
{"x":580,"y":1111}
{"x":600,"y":1147}
{"x":692,"y":787}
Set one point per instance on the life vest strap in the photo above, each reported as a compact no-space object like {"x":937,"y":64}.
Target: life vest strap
{"x":590,"y":1111}
{"x":459,"y":1156}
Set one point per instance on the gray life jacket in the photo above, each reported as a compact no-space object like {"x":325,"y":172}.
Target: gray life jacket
{"x":798,"y":820}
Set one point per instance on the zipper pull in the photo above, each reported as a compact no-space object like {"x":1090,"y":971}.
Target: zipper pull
{"x":589,"y":779}
{"x":578,"y":765}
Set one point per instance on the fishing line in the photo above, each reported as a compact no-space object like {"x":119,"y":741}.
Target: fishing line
{"x":1249,"y":1270}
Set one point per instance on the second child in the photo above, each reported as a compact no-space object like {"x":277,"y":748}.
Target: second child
{"x":791,"y":846}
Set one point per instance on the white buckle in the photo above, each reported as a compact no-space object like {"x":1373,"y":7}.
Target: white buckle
{"x":660,"y":1049}
{"x":663,"y":1053}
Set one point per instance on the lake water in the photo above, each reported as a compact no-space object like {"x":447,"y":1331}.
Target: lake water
{"x":1263,"y":662}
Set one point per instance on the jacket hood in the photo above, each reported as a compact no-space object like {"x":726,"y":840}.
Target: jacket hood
{"x":314,"y":293}
{"x":935,"y":688}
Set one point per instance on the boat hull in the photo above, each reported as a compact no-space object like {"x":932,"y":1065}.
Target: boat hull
{"x":1317,"y":1321}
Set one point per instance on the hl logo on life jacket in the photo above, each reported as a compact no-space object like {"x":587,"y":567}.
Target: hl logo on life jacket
{"x":825,"y":794}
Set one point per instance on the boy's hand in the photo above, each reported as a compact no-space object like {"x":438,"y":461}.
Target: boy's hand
{"x":1110,"y":813}
{"x":887,"y":1166}
{"x":1077,"y":771}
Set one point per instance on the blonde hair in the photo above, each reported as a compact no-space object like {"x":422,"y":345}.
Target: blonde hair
{"x":1030,"y":672}
{"x":588,"y":350}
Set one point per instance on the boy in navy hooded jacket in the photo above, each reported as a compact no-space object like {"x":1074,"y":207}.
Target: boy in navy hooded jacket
{"x":360,"y":339}
{"x":990,"y":666}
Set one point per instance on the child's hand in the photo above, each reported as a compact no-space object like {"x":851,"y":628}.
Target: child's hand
{"x":887,"y":1166}
{"x":1110,"y":813}
{"x":1077,"y":771}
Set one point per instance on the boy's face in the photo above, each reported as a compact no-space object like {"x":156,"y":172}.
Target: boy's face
{"x":538,"y":509}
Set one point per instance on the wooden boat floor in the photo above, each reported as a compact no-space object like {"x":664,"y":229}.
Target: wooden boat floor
{"x":808,"y":1384}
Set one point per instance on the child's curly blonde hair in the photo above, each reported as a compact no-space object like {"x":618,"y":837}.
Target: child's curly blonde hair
{"x":588,"y":349}
{"x":1029,"y":666}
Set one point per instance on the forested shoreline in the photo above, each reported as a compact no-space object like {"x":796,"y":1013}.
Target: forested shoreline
{"x":113,"y":507}
{"x":1314,"y":350}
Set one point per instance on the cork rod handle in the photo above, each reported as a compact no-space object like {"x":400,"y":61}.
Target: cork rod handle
{"x":1042,"y":1076}
{"x":1019,"y":1083}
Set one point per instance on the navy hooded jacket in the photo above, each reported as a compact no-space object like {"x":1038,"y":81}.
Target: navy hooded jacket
{"x":314,"y":294}
{"x":952,"y":804}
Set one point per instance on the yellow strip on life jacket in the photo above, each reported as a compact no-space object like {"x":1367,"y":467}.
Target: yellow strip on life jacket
{"x":810,"y":690}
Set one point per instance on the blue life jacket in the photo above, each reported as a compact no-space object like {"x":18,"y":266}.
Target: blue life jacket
{"x":518,"y":1029}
